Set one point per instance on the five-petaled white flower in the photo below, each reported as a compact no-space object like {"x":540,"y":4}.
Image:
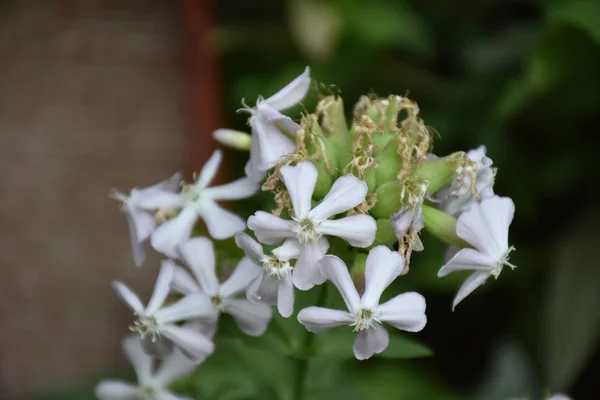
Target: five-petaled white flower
{"x":197,"y":200}
{"x":459,"y":197}
{"x":274,"y":284}
{"x":198,"y":253}
{"x":485,"y":227}
{"x":405,"y":311}
{"x":152,"y":384}
{"x":269,"y":142}
{"x":310,"y":225}
{"x":156,"y":321}
{"x":139,"y":207}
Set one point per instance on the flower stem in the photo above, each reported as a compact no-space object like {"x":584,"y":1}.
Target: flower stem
{"x":307,"y":348}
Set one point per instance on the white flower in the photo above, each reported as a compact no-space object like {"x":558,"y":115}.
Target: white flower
{"x":309,"y":226}
{"x":156,"y":321}
{"x":198,"y":253}
{"x":139,"y":208}
{"x":152,"y":385}
{"x":274,"y":284}
{"x":485,"y":227}
{"x":197,"y":200}
{"x":269,"y":143}
{"x":459,"y":198}
{"x":405,"y":311}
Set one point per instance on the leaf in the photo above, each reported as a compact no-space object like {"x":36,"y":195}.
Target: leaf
{"x":570,"y":324}
{"x":337,"y":343}
{"x":583,"y":13}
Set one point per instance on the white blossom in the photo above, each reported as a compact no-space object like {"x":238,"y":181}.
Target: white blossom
{"x":269,"y":142}
{"x":310,"y":226}
{"x":197,"y":200}
{"x":152,"y":384}
{"x":198,"y":253}
{"x":139,"y":207}
{"x":485,"y":227}
{"x":274,"y":284}
{"x":405,"y":311}
{"x":158,"y":320}
{"x":459,"y":197}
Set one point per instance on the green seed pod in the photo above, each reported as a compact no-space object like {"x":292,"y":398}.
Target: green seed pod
{"x":442,"y":226}
{"x":440,"y":172}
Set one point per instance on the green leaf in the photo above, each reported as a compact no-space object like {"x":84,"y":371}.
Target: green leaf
{"x":583,"y":13}
{"x":337,"y":343}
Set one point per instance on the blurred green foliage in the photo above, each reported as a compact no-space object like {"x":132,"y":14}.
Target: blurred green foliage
{"x":521,"y":77}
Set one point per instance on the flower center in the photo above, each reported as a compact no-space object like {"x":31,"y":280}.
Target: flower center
{"x":276,"y":267}
{"x":190,"y":192}
{"x":218,"y":302}
{"x":146,"y":393}
{"x":146,"y":326}
{"x":502,"y":262}
{"x":364,"y":319}
{"x":305,"y":230}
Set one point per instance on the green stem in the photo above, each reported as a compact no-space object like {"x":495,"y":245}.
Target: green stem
{"x":306,"y":350}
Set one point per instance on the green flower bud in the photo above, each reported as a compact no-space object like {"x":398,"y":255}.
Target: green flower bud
{"x":357,"y":271}
{"x":388,"y":200}
{"x":442,"y":226}
{"x":385,"y":233}
{"x":333,"y":120}
{"x":440,"y":172}
{"x":324,"y":181}
{"x":235,"y":139}
{"x":389,"y":161}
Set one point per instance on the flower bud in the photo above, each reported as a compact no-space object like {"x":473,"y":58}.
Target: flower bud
{"x":235,"y":139}
{"x":389,"y":162}
{"x":357,"y":271}
{"x":385,"y":233}
{"x":442,"y":226}
{"x":333,"y":120}
{"x":439,"y":172}
{"x":388,"y":200}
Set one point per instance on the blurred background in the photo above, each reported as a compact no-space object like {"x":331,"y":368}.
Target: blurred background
{"x":96,"y":94}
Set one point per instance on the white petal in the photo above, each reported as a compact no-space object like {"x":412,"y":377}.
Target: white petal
{"x":175,"y":231}
{"x":474,"y":280}
{"x":160,"y":199}
{"x":128,"y":297}
{"x":334,"y":269}
{"x":371,"y":341}
{"x":358,"y":230}
{"x":141,"y":362}
{"x":251,"y":247}
{"x":206,"y":329}
{"x":161,"y":287}
{"x":141,"y":224}
{"x":236,"y":190}
{"x":166,"y":395}
{"x":252,"y":318}
{"x":231,"y":138}
{"x":192,"y":306}
{"x":268,"y":228}
{"x":347,"y":192}
{"x":272,"y":143}
{"x":382,"y":267}
{"x":485,"y":225}
{"x":255,"y":290}
{"x":221,"y":224}
{"x":468,"y":259}
{"x":252,"y":168}
{"x":175,"y":366}
{"x":183,"y":282}
{"x":115,"y":390}
{"x":157,"y":347}
{"x":209,"y":170}
{"x":405,"y":311}
{"x":306,"y":274}
{"x":285,"y":296}
{"x":319,"y":319}
{"x":199,"y":254}
{"x":244,"y":273}
{"x":300,"y":181}
{"x":292,"y":93}
{"x":291,"y":249}
{"x":193,"y":344}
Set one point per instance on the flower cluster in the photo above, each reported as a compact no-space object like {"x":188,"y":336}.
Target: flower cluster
{"x":350,"y":201}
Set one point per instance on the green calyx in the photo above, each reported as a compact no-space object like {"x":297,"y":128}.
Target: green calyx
{"x":442,"y":226}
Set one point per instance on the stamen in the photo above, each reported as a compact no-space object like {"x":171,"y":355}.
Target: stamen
{"x":305,"y":230}
{"x":502,"y":262}
{"x":276,"y":267}
{"x":145,"y":326}
{"x":190,"y":192}
{"x":364,"y":319}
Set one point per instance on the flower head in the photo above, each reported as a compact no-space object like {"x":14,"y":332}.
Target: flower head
{"x":198,"y":200}
{"x":274,"y":284}
{"x":310,"y":225}
{"x":365,"y":314}
{"x":152,"y":384}
{"x":485,"y":227}
{"x":143,"y":208}
{"x":157,"y":321}
{"x":198,"y":253}
{"x":269,"y":142}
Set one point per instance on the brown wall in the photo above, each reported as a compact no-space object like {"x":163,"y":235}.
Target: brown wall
{"x":93,"y":95}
